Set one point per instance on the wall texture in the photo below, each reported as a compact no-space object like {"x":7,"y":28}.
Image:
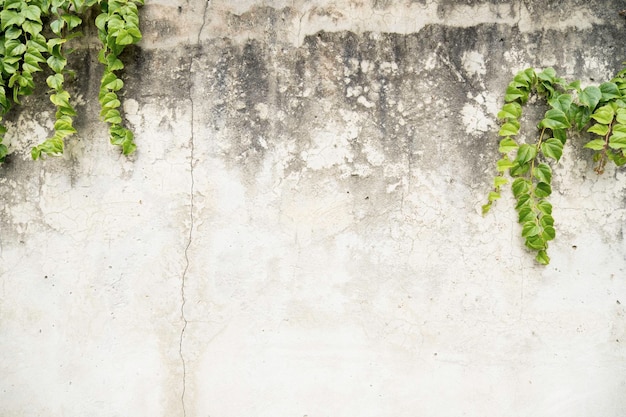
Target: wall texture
{"x":299,"y":233}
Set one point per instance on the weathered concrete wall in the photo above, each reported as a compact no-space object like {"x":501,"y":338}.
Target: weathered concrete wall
{"x":299,"y":233}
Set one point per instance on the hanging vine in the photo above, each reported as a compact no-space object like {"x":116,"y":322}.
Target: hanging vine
{"x":599,"y":110}
{"x":34,"y":33}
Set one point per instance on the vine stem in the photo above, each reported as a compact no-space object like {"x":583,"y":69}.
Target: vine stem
{"x":602,"y":162}
{"x":531,"y":174}
{"x":538,"y":147}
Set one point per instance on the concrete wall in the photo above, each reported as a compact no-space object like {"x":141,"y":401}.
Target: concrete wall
{"x":299,"y":233}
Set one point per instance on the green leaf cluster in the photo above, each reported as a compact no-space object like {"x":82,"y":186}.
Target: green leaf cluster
{"x":602,"y":109}
{"x":528,"y":163}
{"x":33,"y":38}
{"x":118,"y":27}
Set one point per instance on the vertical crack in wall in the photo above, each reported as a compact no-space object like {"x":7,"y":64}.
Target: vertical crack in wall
{"x":191,"y":218}
{"x":189,"y":239}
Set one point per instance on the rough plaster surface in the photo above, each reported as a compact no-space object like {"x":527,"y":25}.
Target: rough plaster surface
{"x":299,"y":232}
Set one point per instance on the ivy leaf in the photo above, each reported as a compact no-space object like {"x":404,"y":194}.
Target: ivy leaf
{"x":543,"y":173}
{"x":63,"y":127}
{"x":544,"y":207}
{"x":604,"y":114}
{"x":53,"y":45}
{"x":114,"y":23}
{"x":555,"y":119}
{"x":596,"y":144}
{"x":536,"y":242}
{"x":590,"y":97}
{"x":113,"y":104}
{"x":114,"y":85}
{"x":12,"y":33}
{"x":499,"y":181}
{"x":609,"y":91}
{"x":513,"y":94}
{"x":108,"y":97}
{"x":542,"y":257}
{"x":101,"y":21}
{"x":510,"y":111}
{"x":30,"y":66}
{"x":57,"y":26}
{"x":124,"y":38}
{"x":543,"y":190}
{"x":61,"y":99}
{"x":552,"y":148}
{"x":562,"y":102}
{"x":617,"y":142}
{"x":3,"y":152}
{"x":619,"y":129}
{"x":56,"y":64}
{"x":560,"y":134}
{"x":113,"y":63}
{"x":14,"y":47}
{"x":523,"y":201}
{"x":547,"y":74}
{"x":618,"y":138}
{"x":11,"y":17}
{"x":493,"y":196}
{"x":509,"y":129}
{"x":549,"y":233}
{"x":530,"y":229}
{"x":520,"y":186}
{"x":581,"y":116}
{"x":620,"y":116}
{"x":546,"y":221}
{"x":618,"y":158}
{"x":113,"y":117}
{"x":71,"y":20}
{"x":135,"y":33}
{"x":525,"y":78}
{"x":38,"y":42}
{"x":52,"y":146}
{"x":518,"y":170}
{"x":32,"y":12}
{"x":128,"y":147}
{"x":599,"y":129}
{"x":574,"y":85}
{"x":55,"y":81}
{"x":507,"y":145}
{"x":525,"y":215}
{"x":525,"y":153}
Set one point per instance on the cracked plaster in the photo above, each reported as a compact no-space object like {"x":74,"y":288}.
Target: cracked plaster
{"x":299,"y":232}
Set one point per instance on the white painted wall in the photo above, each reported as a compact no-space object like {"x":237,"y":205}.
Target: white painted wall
{"x":316,"y":250}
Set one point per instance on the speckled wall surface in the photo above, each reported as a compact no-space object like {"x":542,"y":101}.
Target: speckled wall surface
{"x":299,"y":233}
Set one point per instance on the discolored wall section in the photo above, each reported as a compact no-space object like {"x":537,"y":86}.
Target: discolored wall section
{"x":299,"y":233}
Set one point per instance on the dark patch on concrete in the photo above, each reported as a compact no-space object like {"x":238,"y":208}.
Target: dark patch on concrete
{"x":407,"y":92}
{"x":266,"y":94}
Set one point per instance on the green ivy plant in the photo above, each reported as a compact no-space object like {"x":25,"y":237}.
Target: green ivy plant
{"x":600,"y":110}
{"x":35,"y":33}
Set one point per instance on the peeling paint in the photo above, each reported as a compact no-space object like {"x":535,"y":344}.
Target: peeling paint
{"x":299,"y":232}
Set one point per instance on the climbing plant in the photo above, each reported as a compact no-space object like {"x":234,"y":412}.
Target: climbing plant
{"x":34,"y":37}
{"x":599,"y":110}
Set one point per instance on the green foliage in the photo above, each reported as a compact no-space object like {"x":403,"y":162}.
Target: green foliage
{"x":598,"y":110}
{"x":33,"y":38}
